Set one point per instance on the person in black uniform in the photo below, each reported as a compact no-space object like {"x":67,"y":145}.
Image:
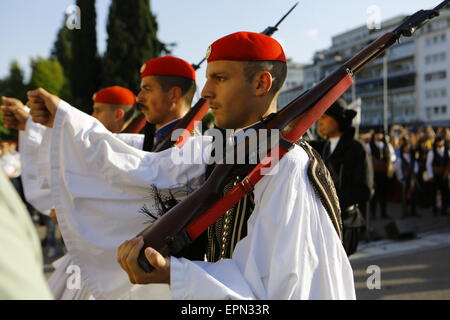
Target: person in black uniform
{"x":347,"y":161}
{"x":382,"y":159}
{"x":438,"y":167}
{"x":407,"y":170}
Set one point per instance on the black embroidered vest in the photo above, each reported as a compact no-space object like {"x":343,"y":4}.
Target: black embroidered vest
{"x":227,"y":231}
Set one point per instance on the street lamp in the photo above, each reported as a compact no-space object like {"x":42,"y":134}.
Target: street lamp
{"x":385,"y":92}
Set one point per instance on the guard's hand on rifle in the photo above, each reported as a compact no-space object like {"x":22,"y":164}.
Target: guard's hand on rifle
{"x":43,"y":106}
{"x":127,"y":256}
{"x":15,"y":116}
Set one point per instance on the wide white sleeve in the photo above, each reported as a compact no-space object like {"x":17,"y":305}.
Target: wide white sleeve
{"x":34,"y":148}
{"x":101,"y":186}
{"x":35,"y":143}
{"x":132,"y":139}
{"x":291,"y":251}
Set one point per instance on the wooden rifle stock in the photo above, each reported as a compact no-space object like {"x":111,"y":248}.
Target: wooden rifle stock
{"x":168,"y":234}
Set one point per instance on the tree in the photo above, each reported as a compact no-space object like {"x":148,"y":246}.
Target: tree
{"x":85,"y":70}
{"x":62,"y":51}
{"x":47,"y":74}
{"x":13,"y":85}
{"x":131,"y":41}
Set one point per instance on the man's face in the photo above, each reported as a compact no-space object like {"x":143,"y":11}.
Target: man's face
{"x":156,"y":103}
{"x":229,"y":95}
{"x":327,"y":126}
{"x":378,"y":136}
{"x":106,"y":115}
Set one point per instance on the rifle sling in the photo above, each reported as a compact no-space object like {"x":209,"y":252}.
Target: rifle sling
{"x":197,"y":227}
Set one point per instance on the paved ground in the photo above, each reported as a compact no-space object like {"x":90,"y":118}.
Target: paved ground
{"x":409,"y":270}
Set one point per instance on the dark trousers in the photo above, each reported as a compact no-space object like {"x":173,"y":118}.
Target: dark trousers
{"x":441,"y":185}
{"x":380,"y":196}
{"x":408,"y":201}
{"x":350,"y":240}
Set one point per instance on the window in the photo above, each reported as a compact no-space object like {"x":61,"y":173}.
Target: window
{"x":436,"y":110}
{"x":436,"y":76}
{"x":436,"y":93}
{"x":440,"y":24}
{"x":436,"y":39}
{"x":435,"y":58}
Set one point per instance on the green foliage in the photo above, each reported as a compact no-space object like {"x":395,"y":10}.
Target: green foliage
{"x":6,"y":134}
{"x":85,"y":67}
{"x":62,"y":51}
{"x":132,"y":40}
{"x":207,"y":122}
{"x":13,"y":85}
{"x":47,"y":74}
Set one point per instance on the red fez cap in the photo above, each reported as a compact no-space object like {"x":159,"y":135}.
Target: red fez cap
{"x":246,"y":46}
{"x":115,"y":95}
{"x":168,"y":66}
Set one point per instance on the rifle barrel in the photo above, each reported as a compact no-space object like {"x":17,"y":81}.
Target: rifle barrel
{"x":284,"y":17}
{"x":442,"y":5}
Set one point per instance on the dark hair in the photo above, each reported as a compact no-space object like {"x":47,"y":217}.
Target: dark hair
{"x":277,"y":69}
{"x":186,"y":85}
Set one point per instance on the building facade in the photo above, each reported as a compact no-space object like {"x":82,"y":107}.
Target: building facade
{"x":416,"y":72}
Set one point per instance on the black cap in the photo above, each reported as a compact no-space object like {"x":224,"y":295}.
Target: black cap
{"x":343,"y":116}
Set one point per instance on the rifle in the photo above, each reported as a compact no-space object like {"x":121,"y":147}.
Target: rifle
{"x":184,"y":222}
{"x":136,"y":125}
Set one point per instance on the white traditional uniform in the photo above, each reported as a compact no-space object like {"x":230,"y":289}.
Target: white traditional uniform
{"x":291,"y":251}
{"x":99,"y":185}
{"x":35,"y":141}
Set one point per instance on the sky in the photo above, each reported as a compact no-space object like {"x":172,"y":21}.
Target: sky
{"x":28,"y":28}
